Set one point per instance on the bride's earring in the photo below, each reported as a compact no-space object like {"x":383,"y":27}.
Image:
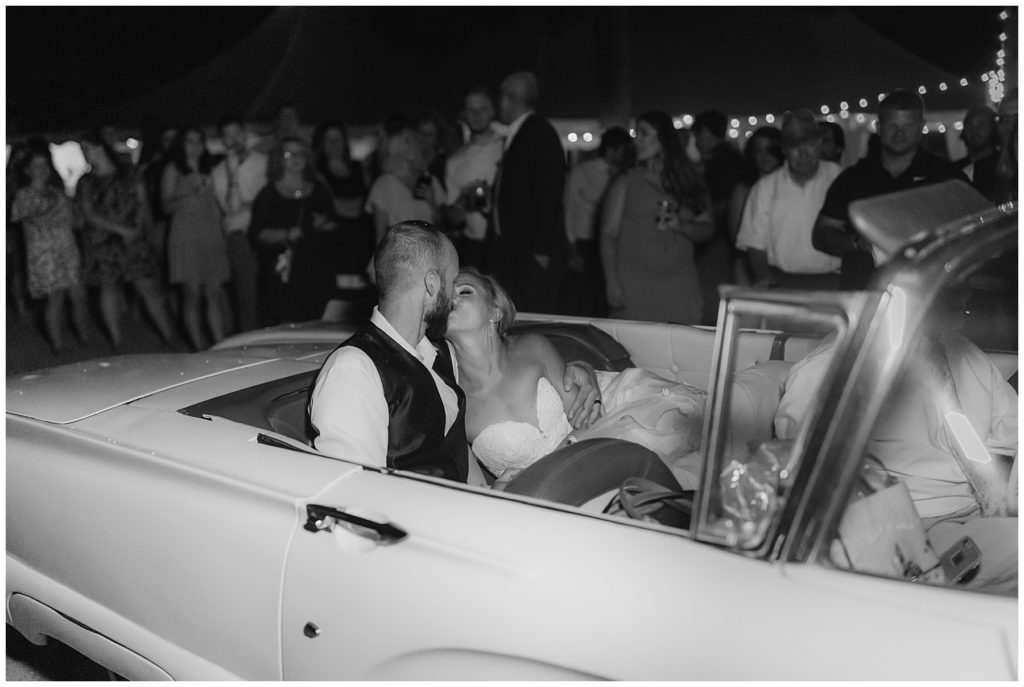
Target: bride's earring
{"x":490,"y":345}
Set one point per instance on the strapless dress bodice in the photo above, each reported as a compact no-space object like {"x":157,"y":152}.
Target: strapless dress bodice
{"x":514,"y":444}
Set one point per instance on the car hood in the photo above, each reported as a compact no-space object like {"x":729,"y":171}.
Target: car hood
{"x":69,"y":393}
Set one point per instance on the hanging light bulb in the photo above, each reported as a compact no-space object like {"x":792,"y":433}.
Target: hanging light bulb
{"x":733,"y":133}
{"x":677,"y":123}
{"x":752,"y":120}
{"x":860,"y":118}
{"x":830,"y":118}
{"x":943,"y":86}
{"x":588,"y":137}
{"x":687,"y":119}
{"x":844,"y":105}
{"x":863,"y":102}
{"x":942,"y":128}
{"x":572,"y":138}
{"x":963,"y":82}
{"x":922,"y":90}
{"x":735,"y":124}
{"x":770,"y":118}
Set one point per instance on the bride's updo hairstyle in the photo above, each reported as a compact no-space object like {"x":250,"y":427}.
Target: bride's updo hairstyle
{"x":498,"y":299}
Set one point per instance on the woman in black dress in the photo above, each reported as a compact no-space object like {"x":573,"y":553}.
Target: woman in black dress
{"x":346,"y":181}
{"x":293,"y":229}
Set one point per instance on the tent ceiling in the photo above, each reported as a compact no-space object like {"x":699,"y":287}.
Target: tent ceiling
{"x":361,"y":64}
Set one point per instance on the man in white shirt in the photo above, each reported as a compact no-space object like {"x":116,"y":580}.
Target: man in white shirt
{"x":584,"y":194}
{"x":917,"y":441}
{"x":236,"y":182}
{"x":781,"y":210}
{"x":381,"y":399}
{"x":469,"y":176}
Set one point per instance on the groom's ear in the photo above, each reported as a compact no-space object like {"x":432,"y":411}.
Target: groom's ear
{"x":432,"y":282}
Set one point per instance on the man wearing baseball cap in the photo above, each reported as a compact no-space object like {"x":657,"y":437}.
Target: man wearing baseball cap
{"x":781,"y":210}
{"x":899,"y":164}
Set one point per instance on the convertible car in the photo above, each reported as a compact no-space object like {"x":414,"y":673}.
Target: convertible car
{"x":168,"y":517}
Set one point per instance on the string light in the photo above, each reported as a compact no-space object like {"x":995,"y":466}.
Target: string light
{"x":993,"y":80}
{"x":996,"y":78}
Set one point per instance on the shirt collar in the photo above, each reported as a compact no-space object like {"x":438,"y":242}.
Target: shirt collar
{"x":515,"y":126}
{"x":424,"y":351}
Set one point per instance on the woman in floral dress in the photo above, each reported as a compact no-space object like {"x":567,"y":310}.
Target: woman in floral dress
{"x":54,"y":266}
{"x":118,"y":248}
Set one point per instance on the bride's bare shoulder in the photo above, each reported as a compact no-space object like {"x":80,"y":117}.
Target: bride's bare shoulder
{"x":532,"y":347}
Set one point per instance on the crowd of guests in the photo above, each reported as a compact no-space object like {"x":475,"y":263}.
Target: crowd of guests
{"x":273,"y":229}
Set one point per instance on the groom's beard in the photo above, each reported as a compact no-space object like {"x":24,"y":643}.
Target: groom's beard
{"x":437,"y":318}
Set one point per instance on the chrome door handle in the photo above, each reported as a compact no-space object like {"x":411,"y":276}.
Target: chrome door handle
{"x":320,"y":518}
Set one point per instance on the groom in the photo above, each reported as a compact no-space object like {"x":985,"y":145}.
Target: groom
{"x":383,"y":400}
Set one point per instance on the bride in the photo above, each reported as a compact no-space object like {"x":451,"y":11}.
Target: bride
{"x":516,"y":405}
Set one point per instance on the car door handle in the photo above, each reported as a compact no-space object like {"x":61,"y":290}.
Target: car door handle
{"x":320,"y":518}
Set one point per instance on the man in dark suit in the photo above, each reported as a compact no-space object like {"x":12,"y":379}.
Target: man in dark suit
{"x":529,"y":246}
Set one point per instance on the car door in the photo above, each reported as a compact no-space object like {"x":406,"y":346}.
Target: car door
{"x":488,"y":586}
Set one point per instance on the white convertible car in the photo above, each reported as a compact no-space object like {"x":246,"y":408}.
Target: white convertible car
{"x":167,"y":518}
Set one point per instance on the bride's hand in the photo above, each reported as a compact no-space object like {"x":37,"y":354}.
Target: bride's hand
{"x":586,"y":405}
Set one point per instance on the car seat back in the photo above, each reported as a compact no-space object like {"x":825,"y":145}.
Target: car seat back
{"x":754,"y":398}
{"x":581,"y":342}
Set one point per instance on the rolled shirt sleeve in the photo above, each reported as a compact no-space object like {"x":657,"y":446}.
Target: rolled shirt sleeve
{"x":348,"y":410}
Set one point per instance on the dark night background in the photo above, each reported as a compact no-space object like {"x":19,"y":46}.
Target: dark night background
{"x":63,"y":60}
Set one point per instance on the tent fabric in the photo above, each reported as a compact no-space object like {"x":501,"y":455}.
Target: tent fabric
{"x":361,"y":64}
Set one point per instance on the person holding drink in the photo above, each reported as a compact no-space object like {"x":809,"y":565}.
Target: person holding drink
{"x":653,"y":216}
{"x":293,"y":225}
{"x":469,"y":177}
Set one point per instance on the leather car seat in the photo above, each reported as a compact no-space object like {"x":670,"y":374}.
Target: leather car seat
{"x":753,"y":400}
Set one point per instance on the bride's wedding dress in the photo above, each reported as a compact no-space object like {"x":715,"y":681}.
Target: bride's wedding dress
{"x":639,"y":406}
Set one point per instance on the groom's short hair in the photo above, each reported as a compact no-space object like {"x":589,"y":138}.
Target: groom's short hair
{"x":406,"y":252}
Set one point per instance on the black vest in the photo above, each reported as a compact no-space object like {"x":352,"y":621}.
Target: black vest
{"x":416,"y":438}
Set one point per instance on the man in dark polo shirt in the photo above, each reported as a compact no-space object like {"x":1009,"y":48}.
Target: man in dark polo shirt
{"x":899,"y":164}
